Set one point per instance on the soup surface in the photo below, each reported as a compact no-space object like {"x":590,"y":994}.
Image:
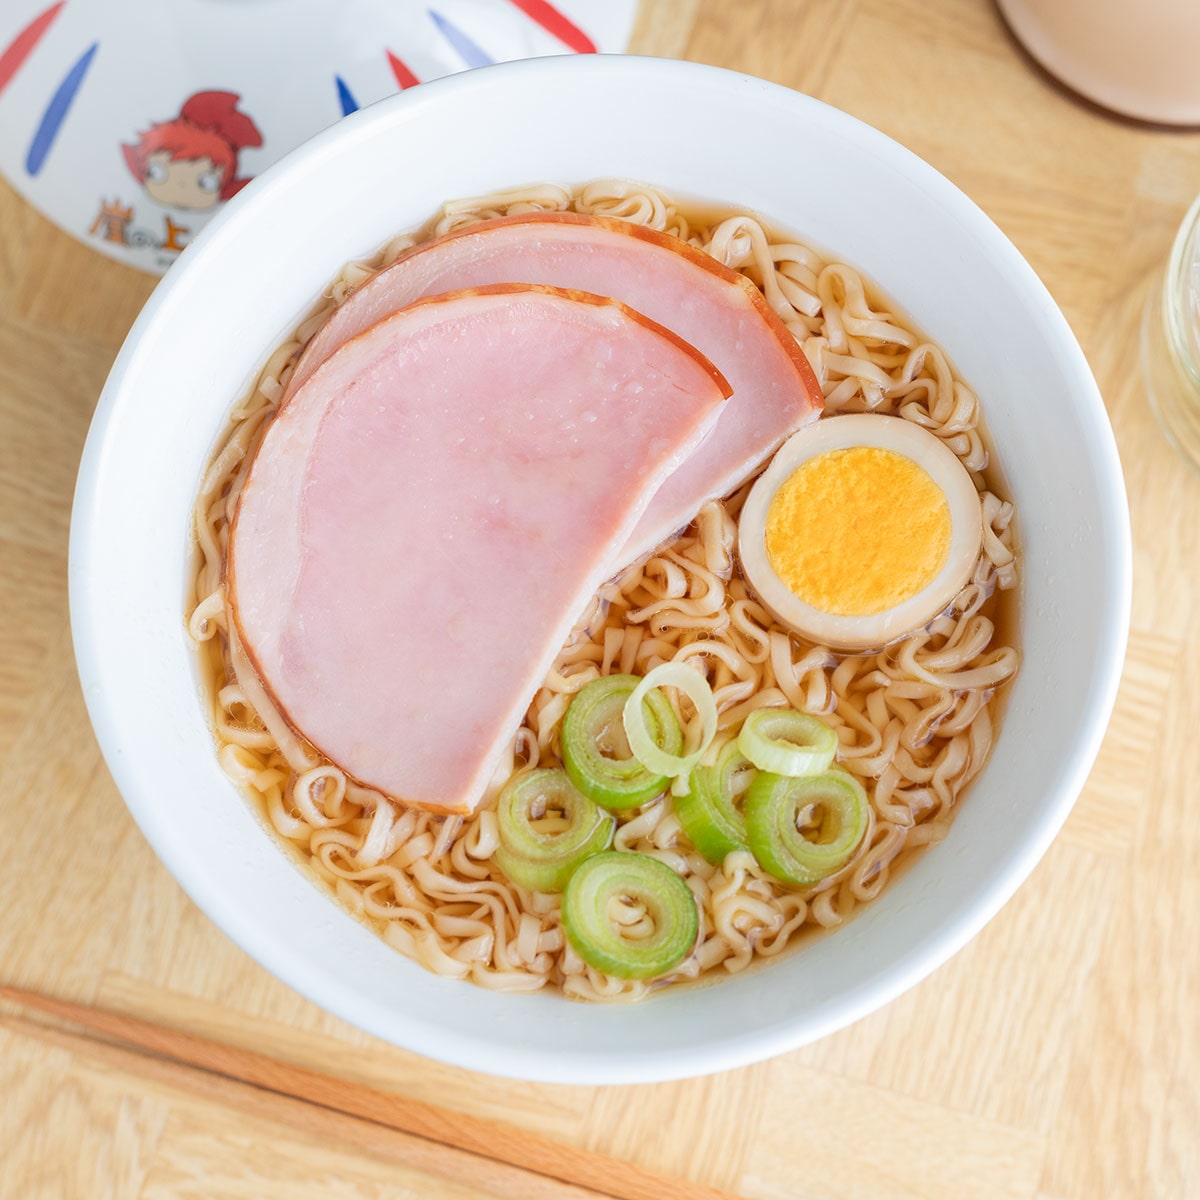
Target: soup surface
{"x":913,"y":722}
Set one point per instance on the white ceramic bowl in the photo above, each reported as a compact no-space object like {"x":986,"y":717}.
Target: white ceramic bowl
{"x":696,"y":131}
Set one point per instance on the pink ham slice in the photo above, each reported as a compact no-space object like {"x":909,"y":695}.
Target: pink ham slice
{"x":713,"y":308}
{"x":430,"y":511}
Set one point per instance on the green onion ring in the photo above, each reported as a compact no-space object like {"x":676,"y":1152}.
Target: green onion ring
{"x":645,"y":750}
{"x":587,"y":921}
{"x":533,"y":858}
{"x":710,"y":818}
{"x":773,"y":807}
{"x":786,"y":742}
{"x":615,"y":783}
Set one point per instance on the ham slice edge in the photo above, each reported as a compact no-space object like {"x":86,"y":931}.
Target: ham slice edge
{"x":775,"y":390}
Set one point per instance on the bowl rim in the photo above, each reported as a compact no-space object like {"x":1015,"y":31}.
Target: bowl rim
{"x":478,"y":1051}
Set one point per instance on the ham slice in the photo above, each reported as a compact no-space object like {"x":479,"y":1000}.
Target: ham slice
{"x":713,"y":308}
{"x":431,"y":509}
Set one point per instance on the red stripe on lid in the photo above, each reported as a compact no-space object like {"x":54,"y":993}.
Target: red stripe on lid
{"x":20,"y":48}
{"x":552,"y":21}
{"x":404,"y":77}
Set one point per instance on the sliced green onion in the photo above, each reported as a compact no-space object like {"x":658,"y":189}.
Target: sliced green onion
{"x":590,"y":915}
{"x":786,"y":742}
{"x":831,"y":809}
{"x":539,"y":859}
{"x":709,"y":811}
{"x":595,"y":748}
{"x":641,"y":741}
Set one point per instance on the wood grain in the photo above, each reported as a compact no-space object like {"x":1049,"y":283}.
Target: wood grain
{"x":1056,"y":1058}
{"x":322,"y":1124}
{"x":461,"y":1135}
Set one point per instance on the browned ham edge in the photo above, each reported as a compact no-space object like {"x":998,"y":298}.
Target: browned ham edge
{"x":318,"y":348}
{"x":709,"y":305}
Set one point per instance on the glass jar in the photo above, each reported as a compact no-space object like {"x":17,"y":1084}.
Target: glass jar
{"x":1171,"y":341}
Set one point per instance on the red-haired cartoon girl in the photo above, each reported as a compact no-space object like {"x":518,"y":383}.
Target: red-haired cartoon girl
{"x":191,"y":162}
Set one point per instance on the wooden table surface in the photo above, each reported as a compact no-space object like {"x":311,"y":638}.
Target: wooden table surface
{"x":1057,"y":1057}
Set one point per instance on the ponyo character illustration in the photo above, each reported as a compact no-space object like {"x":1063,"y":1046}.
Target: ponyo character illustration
{"x":191,"y":162}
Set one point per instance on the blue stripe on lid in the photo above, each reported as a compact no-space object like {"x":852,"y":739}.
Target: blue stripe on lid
{"x":349,"y":104}
{"x":467,"y":50}
{"x":56,"y":112}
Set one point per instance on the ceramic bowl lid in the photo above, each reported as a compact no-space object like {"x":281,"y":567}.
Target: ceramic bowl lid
{"x":129,"y":122}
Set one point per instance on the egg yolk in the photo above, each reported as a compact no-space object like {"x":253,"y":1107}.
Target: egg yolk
{"x":856,"y":532}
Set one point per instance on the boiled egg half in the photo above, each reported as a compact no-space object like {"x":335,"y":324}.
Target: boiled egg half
{"x":862,"y":529}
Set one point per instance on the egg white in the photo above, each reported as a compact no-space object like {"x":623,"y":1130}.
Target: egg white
{"x":877,"y":629}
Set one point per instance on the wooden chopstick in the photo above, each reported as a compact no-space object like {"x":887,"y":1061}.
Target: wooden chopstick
{"x":322,"y":1125}
{"x":505,"y":1160}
